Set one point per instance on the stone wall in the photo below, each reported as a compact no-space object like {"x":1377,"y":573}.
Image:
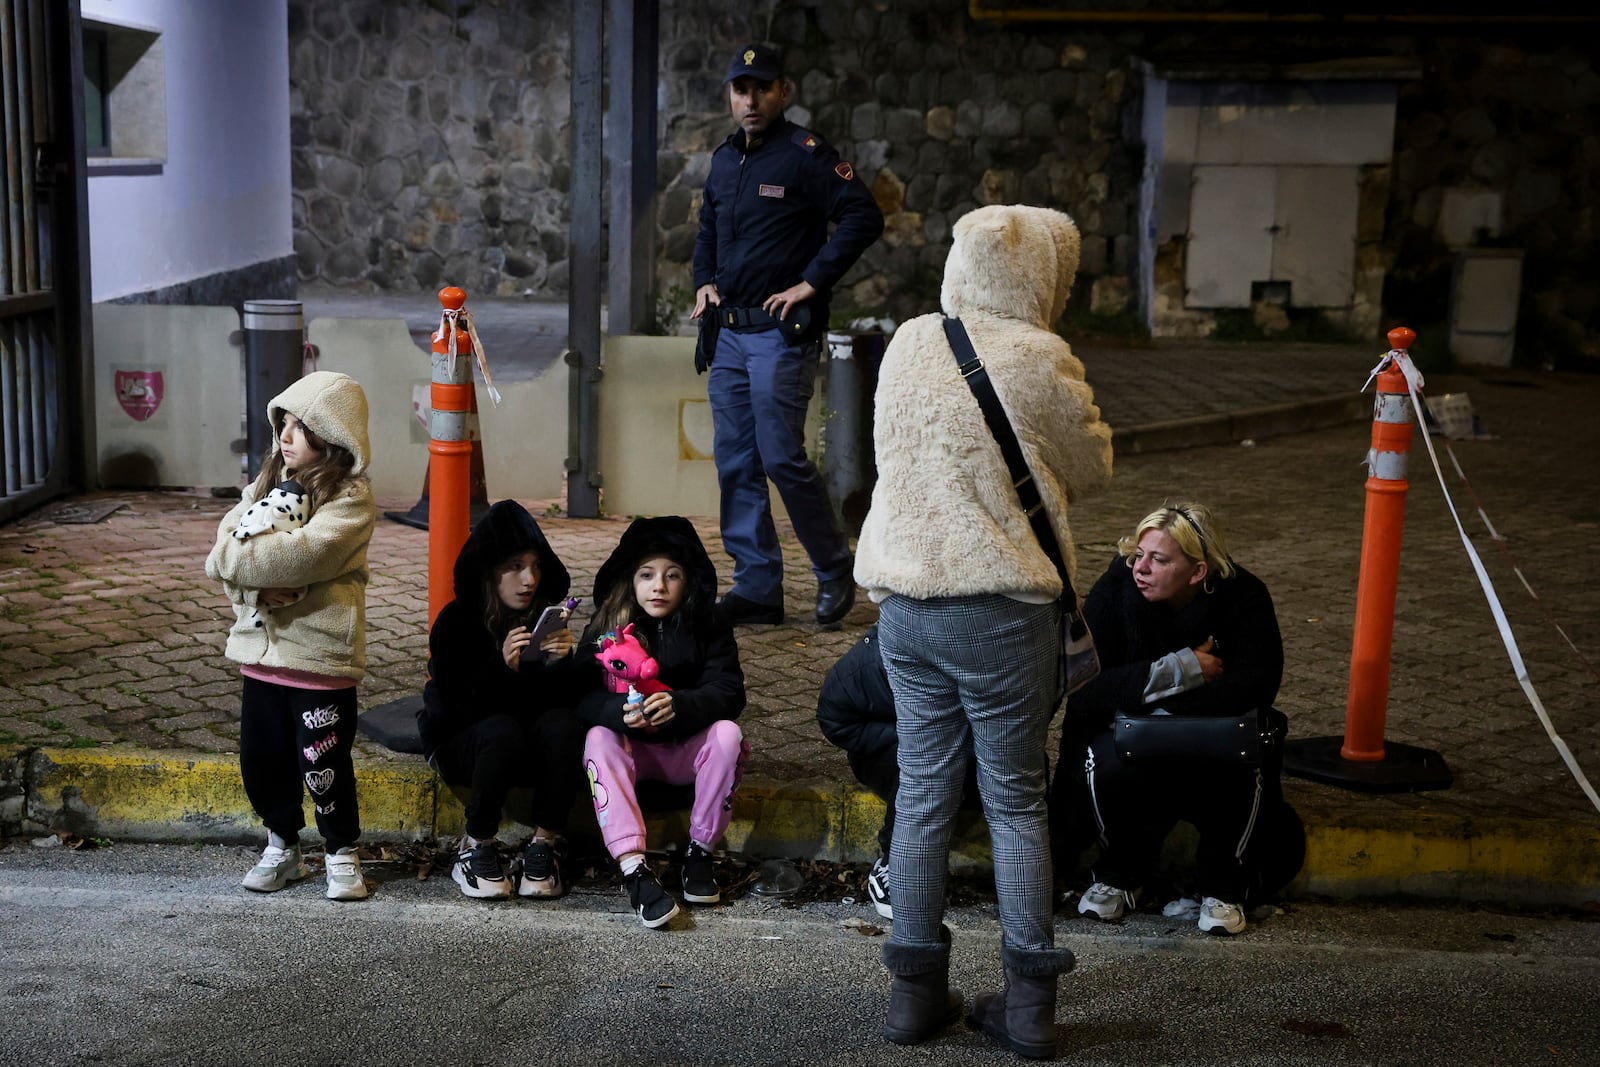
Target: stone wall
{"x":430,"y":140}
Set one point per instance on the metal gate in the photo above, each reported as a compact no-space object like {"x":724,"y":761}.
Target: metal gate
{"x":43,"y":306}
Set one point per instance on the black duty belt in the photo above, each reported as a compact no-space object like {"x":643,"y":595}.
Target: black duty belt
{"x":749,"y":320}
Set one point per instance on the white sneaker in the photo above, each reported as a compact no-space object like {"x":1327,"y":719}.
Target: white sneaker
{"x":878,"y":888}
{"x":1108,"y":903}
{"x":345,"y":880}
{"x":541,"y":871}
{"x":1182,"y":908}
{"x":280,"y":864}
{"x":478,"y":870}
{"x":1220,"y":917}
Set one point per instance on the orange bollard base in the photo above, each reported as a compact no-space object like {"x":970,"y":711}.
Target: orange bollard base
{"x":1403,"y":768}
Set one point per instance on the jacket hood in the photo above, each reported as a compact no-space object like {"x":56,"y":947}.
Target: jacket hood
{"x":672,"y":536}
{"x":507,"y":530}
{"x":331,"y":405}
{"x":1011,"y":261}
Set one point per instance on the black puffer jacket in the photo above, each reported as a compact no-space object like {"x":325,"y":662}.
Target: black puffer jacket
{"x":694,"y":649}
{"x":468,"y":679}
{"x":855,"y":706}
{"x":1130,"y":634}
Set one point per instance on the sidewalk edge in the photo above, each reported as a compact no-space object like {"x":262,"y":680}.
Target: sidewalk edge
{"x":191,"y":797}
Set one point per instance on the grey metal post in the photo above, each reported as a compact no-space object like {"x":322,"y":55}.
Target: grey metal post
{"x":583,"y":301}
{"x":848,"y":470}
{"x":634,"y":62}
{"x":274,"y":346}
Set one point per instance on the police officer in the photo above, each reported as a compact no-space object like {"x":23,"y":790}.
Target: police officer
{"x":764,"y":266}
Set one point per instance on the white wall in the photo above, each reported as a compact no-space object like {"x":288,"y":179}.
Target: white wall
{"x":221,"y":200}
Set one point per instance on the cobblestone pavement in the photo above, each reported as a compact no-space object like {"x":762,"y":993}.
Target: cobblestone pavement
{"x":111,"y":636}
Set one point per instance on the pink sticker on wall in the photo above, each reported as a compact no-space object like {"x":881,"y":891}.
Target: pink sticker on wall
{"x":139,"y":392}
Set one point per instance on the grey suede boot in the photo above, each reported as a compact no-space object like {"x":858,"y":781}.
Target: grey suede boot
{"x":921,"y":1002}
{"x":1023,"y":1014}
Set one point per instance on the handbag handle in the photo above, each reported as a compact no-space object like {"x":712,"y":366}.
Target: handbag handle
{"x":977,"y":379}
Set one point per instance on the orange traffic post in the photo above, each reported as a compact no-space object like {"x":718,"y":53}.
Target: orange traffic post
{"x":1362,"y":760}
{"x":449,"y":450}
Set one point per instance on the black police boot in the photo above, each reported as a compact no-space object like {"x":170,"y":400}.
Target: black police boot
{"x":835,"y":598}
{"x":737,"y":611}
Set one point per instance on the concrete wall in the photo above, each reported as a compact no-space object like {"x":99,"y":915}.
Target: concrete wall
{"x":655,"y":423}
{"x":219,"y":202}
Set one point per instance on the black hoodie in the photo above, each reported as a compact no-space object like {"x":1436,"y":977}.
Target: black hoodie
{"x":468,"y":679}
{"x":693,"y":647}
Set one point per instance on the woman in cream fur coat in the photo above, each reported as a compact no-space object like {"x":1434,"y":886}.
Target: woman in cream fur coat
{"x":967,"y":606}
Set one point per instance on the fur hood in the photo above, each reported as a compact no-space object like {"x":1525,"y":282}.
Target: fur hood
{"x":1012,"y":262}
{"x":331,"y":405}
{"x":507,"y":530}
{"x":944,"y":519}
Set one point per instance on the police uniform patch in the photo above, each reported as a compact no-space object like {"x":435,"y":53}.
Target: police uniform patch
{"x":774,"y":191}
{"x":845,"y":171}
{"x":805,"y":139}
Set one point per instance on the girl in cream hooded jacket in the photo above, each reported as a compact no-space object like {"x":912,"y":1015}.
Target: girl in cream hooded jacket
{"x":968,"y":621}
{"x":299,"y":603}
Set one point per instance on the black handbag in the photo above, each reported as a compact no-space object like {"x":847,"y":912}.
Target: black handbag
{"x":1080,"y":663}
{"x":1190,"y":739}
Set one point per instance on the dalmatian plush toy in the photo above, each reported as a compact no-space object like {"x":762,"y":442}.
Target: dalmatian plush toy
{"x":282,"y":509}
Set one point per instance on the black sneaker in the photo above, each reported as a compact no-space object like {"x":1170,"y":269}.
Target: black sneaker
{"x":699,"y":880}
{"x":541,"y":871}
{"x":878,"y":888}
{"x":478,"y":872}
{"x":654,"y":906}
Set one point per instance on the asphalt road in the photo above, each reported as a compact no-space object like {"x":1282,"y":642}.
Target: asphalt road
{"x":152,"y":954}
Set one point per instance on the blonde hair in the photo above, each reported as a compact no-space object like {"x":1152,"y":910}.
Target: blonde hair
{"x":1192,"y":527}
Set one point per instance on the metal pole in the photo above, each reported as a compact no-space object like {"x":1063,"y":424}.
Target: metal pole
{"x":274,"y":346}
{"x":583,"y":302}
{"x":634,"y":62}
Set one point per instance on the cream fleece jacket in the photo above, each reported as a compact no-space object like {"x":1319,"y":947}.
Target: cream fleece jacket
{"x":326,"y":631}
{"x":944,"y":518}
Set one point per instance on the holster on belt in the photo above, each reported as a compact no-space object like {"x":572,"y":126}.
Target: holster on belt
{"x":705,"y":346}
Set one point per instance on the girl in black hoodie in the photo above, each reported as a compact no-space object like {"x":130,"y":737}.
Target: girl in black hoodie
{"x":660,"y":579}
{"x":496,"y":711}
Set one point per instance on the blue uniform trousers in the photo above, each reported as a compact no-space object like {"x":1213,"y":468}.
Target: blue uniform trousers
{"x":759,"y":387}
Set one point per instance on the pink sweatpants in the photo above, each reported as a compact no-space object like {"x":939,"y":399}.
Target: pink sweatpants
{"x":712,"y":759}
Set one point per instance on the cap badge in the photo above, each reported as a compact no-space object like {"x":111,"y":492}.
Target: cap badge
{"x":749,"y":56}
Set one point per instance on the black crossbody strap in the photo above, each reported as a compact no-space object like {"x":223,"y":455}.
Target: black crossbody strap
{"x":977,"y":379}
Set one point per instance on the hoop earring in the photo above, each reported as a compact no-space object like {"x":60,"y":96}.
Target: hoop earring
{"x":1207,"y":587}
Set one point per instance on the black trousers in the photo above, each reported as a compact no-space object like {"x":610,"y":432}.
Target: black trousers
{"x":1136,"y":805}
{"x":292,"y":740}
{"x":500,"y":753}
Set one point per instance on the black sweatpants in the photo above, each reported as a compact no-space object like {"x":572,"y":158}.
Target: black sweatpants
{"x":291,"y":740}
{"x":1136,"y":805}
{"x":500,"y":753}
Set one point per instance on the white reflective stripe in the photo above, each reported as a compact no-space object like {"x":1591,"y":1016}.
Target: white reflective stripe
{"x":1387,"y":465}
{"x":1392,"y":407}
{"x":448,"y":371}
{"x":448,"y":425}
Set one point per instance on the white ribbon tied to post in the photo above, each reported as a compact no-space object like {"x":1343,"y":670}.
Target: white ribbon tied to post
{"x":1414,"y":385}
{"x":448,"y":319}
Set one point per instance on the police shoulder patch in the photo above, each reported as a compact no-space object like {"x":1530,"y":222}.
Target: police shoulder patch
{"x":806,"y":139}
{"x":845,"y":171}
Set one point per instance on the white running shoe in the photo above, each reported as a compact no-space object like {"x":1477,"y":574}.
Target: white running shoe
{"x":1108,"y":903}
{"x":478,"y":870}
{"x":878,"y":888}
{"x":345,"y":880}
{"x":1182,"y":908}
{"x":280,"y":864}
{"x":1220,"y":917}
{"x":541,"y":871}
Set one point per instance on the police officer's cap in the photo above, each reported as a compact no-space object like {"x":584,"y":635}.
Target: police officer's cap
{"x":755,"y":61}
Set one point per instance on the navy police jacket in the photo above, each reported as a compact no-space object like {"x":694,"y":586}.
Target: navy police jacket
{"x":764,"y":219}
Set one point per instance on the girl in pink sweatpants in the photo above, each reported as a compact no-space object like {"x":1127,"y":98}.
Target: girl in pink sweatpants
{"x":660,"y":579}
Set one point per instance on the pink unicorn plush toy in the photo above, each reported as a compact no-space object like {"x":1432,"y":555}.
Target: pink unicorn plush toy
{"x":628,"y":664}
